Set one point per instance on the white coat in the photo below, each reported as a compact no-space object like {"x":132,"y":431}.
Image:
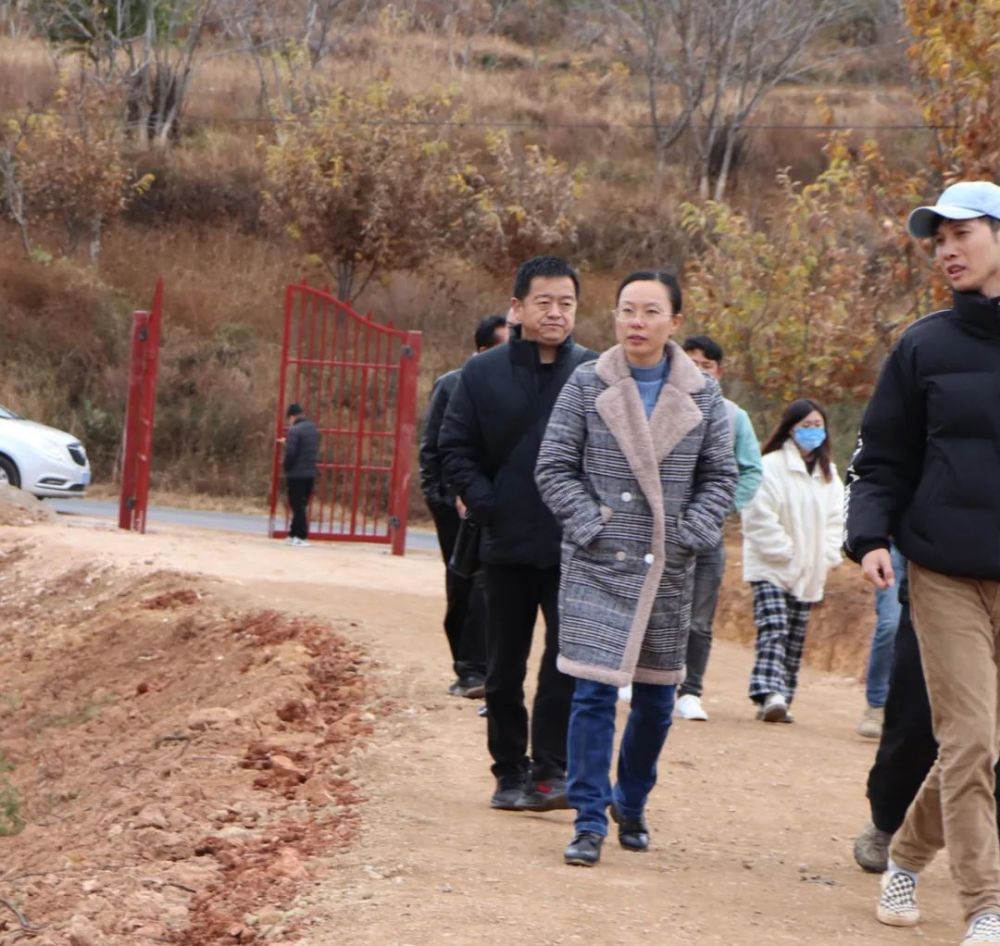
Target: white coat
{"x":793,"y":528}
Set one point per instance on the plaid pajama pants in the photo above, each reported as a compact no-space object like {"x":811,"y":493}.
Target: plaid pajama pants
{"x":781,"y":621}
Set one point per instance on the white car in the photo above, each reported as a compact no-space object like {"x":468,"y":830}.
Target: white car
{"x":41,"y":460}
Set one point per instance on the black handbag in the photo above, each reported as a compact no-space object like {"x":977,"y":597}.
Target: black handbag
{"x":464,"y":560}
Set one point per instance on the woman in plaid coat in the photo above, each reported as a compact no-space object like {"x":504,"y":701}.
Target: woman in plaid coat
{"x":637,"y":465}
{"x":792,"y":534}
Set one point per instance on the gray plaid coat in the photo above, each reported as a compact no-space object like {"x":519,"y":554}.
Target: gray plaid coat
{"x":637,"y":499}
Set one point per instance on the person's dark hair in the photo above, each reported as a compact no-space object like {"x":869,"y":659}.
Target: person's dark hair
{"x":486,"y":330}
{"x":792,"y":415}
{"x":656,"y":275}
{"x":709,"y":347}
{"x":546,"y":267}
{"x":294,"y":410}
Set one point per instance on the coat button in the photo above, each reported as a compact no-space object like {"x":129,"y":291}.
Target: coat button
{"x":626,"y":497}
{"x":620,"y":556}
{"x":649,"y":558}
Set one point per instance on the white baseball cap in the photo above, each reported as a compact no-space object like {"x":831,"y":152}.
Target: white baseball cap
{"x":962,"y":201}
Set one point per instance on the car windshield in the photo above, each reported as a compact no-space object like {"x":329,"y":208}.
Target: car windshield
{"x":6,"y":414}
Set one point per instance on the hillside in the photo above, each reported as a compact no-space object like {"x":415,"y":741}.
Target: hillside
{"x":572,"y":89}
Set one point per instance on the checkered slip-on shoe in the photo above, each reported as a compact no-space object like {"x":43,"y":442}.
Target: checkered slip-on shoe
{"x":897,"y":906}
{"x":985,"y":928}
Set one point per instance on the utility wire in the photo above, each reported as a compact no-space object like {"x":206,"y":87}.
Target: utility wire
{"x":524,"y":124}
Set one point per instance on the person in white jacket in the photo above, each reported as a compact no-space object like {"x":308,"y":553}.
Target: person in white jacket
{"x":792,"y":534}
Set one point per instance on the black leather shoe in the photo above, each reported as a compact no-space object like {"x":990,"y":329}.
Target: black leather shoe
{"x":633,"y":833}
{"x":508,"y":793}
{"x":548,"y":794}
{"x":584,"y":850}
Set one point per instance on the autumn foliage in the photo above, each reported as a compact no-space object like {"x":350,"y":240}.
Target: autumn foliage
{"x":809,"y":301}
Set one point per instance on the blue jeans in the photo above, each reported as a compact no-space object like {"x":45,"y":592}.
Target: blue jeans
{"x":887,"y":611}
{"x":591,"y":742}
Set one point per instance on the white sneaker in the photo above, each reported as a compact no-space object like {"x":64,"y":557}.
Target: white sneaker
{"x":985,"y":928}
{"x":689,"y":707}
{"x":625,"y":694}
{"x":897,"y":905}
{"x":871,"y":723}
{"x":774,"y":710}
{"x":291,"y":540}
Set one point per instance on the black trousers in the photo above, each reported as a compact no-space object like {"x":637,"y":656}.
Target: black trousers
{"x":465,"y":612}
{"x":299,"y":491}
{"x":907,"y":749}
{"x":514,"y":593}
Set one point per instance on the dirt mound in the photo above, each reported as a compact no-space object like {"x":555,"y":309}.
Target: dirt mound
{"x":18,"y":508}
{"x":170,"y":765}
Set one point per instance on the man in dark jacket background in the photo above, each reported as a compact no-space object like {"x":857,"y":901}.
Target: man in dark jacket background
{"x":301,"y":452}
{"x":926,"y":474}
{"x":489,"y":443}
{"x":465,"y":613}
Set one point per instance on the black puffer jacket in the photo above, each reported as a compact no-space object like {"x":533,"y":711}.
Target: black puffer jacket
{"x":489,"y":444}
{"x":301,"y":450}
{"x":927,"y":468}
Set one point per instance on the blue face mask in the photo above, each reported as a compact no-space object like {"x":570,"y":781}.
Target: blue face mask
{"x":809,"y":438}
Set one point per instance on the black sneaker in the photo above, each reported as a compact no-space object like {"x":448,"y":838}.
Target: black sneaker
{"x":471,"y":687}
{"x":547,"y":794}
{"x":584,"y":850}
{"x":508,"y":793}
{"x":633,"y":833}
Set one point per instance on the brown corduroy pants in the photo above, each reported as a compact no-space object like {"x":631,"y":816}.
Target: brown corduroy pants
{"x":957,"y":621}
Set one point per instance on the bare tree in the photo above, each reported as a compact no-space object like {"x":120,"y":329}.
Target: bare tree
{"x":14,"y":19}
{"x":150,"y":48}
{"x":712,"y":64}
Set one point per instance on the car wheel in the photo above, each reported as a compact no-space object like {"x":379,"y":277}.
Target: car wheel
{"x":8,"y":473}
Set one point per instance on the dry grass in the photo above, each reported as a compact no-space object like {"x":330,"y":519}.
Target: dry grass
{"x":199,"y":227}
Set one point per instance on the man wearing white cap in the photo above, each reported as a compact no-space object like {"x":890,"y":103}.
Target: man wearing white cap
{"x":927,"y":475}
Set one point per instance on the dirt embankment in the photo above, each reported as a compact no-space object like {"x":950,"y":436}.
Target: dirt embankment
{"x":185,"y":766}
{"x":172,"y":766}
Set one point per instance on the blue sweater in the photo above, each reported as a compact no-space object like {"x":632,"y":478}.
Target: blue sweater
{"x":650,"y":382}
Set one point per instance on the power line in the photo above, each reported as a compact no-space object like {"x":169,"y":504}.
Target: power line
{"x":515,"y":124}
{"x":543,"y":126}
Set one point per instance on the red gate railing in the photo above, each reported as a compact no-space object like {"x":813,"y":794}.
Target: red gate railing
{"x":137,"y":447}
{"x":357,"y":380}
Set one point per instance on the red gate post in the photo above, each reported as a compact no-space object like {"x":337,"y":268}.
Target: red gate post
{"x":133,"y":414}
{"x":137,"y":453}
{"x":279,"y":424}
{"x":406,"y":430}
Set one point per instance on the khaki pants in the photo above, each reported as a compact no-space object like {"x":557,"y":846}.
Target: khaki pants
{"x":958,"y":625}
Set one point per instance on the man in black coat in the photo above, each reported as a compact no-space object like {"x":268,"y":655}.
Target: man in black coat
{"x":465,"y":614}
{"x":489,"y":443}
{"x":301,"y":451}
{"x":926,"y":474}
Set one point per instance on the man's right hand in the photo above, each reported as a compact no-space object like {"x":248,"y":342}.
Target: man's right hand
{"x":460,"y":508}
{"x":876,"y":566}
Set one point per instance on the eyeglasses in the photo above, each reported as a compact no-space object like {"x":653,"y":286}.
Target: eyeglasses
{"x":646,"y":316}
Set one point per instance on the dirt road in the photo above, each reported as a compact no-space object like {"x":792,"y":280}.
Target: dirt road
{"x":752,"y":824}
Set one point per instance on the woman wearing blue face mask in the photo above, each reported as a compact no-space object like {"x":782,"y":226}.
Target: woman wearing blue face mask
{"x":792,"y":533}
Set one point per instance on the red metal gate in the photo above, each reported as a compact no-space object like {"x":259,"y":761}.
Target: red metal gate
{"x":137,"y":447}
{"x":358,"y":381}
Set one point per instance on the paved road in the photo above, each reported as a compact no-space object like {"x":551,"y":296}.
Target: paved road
{"x":416,"y":539}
